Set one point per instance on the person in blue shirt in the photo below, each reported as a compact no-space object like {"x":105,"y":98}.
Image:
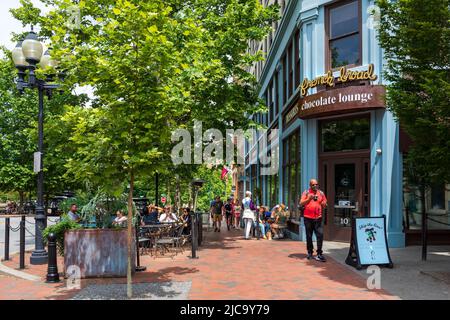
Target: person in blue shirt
{"x":264,"y":215}
{"x":152,"y":215}
{"x":72,"y":214}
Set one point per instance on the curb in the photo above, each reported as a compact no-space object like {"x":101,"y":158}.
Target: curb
{"x":17,"y":273}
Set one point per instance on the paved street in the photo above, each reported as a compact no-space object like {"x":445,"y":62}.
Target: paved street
{"x":228,"y":268}
{"x":14,"y":240}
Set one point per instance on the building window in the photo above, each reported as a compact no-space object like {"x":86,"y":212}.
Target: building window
{"x":270,"y":101}
{"x":277,"y":96}
{"x":291,"y":172}
{"x":247,"y":180}
{"x":290,"y":70}
{"x":285,"y":75}
{"x":273,"y":190}
{"x":297,"y":58}
{"x":438,"y":197}
{"x":345,"y":134}
{"x":254,"y":183}
{"x":437,"y":206}
{"x":344,"y":34}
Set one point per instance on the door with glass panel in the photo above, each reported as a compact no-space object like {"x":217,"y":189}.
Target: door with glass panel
{"x":347,"y":189}
{"x":344,"y":173}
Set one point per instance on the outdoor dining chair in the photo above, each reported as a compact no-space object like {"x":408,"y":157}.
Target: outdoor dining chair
{"x":144,"y":240}
{"x":173,"y":239}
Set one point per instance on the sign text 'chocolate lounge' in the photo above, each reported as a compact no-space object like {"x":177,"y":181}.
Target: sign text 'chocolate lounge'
{"x":344,"y":76}
{"x":342,"y":100}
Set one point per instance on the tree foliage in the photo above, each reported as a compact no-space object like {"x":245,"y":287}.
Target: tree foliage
{"x":18,"y":136}
{"x":155,"y":66}
{"x":415,"y":37}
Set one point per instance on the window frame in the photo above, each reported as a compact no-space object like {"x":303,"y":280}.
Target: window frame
{"x":289,"y":164}
{"x":297,"y":65}
{"x":328,"y":39}
{"x":290,"y":73}
{"x":344,"y":118}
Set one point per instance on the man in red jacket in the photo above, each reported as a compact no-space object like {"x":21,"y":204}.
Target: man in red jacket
{"x":313,"y":201}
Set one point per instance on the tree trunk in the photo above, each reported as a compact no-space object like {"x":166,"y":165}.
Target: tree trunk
{"x":21,"y":198}
{"x":424,"y":223}
{"x":177,"y":194}
{"x":129,"y":235}
{"x":169,"y":202}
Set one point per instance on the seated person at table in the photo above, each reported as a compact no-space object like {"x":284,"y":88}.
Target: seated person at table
{"x":263,"y":225}
{"x":277,"y":218}
{"x":267,"y":220}
{"x":72,"y":214}
{"x":120,"y":220}
{"x":168,"y":216}
{"x":186,"y":219}
{"x":151,"y":217}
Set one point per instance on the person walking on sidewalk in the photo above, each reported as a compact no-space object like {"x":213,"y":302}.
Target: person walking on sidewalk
{"x":248,"y":214}
{"x":237,"y":214}
{"x":228,"y":208}
{"x":216,"y":212}
{"x":313,"y":201}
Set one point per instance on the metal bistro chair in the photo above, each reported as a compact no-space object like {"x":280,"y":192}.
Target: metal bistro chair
{"x":172,"y":239}
{"x":163,"y":241}
{"x":179,"y":238}
{"x":144,"y":240}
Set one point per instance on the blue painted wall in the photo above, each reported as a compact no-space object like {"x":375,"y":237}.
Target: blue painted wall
{"x":386,"y":168}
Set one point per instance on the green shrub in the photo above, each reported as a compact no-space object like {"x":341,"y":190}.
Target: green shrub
{"x":59,"y":229}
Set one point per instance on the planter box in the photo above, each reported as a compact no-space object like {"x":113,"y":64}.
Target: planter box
{"x":98,"y":252}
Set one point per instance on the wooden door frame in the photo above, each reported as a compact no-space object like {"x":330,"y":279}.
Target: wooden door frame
{"x":359,"y":159}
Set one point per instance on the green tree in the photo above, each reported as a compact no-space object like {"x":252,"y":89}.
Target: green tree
{"x":154,"y":66}
{"x":415,"y":37}
{"x":18,"y":136}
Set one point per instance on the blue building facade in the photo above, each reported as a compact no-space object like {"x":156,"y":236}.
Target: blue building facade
{"x":323,"y":84}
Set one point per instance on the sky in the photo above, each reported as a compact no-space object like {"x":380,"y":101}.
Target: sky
{"x":8,"y":25}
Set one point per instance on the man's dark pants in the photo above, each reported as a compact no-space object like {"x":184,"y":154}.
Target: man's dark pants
{"x":314,"y":225}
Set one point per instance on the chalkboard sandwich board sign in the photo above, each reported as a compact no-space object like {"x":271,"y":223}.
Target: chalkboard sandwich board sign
{"x":368,"y":245}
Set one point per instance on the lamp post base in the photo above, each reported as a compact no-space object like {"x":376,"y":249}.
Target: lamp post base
{"x":39,"y":257}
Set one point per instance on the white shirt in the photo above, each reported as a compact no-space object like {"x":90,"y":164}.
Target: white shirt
{"x":120,"y":220}
{"x":168,"y":218}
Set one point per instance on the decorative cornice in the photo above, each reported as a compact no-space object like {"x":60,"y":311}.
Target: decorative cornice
{"x":306,"y":16}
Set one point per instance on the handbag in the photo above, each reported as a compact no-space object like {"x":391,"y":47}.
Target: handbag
{"x":248,"y":214}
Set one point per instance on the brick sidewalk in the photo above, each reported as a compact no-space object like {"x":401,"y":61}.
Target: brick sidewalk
{"x":228,"y":268}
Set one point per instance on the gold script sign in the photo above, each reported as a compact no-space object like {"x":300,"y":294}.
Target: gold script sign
{"x":344,"y":76}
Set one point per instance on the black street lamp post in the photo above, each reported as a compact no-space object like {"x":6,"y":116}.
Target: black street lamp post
{"x":26,"y":56}
{"x":196,"y":184}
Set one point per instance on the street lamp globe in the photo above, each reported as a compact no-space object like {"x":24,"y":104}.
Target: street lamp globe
{"x":47,"y":61}
{"x":18,"y":56}
{"x":32,"y":48}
